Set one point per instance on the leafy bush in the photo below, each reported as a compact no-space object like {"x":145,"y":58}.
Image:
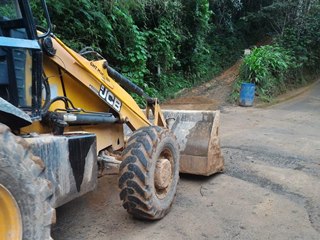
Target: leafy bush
{"x":267,"y":67}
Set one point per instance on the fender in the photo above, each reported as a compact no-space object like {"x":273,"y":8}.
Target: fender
{"x":71,"y":163}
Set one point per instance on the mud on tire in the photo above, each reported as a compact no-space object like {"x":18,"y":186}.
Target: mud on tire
{"x":23,"y":175}
{"x":143,"y":192}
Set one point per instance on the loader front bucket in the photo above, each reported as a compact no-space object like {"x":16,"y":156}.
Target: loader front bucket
{"x":198,"y":135}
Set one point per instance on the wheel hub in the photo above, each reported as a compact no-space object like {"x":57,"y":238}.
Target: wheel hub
{"x":163,"y":174}
{"x":10,"y":217}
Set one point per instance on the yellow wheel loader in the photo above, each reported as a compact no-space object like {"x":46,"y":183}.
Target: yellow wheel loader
{"x":67,"y":118}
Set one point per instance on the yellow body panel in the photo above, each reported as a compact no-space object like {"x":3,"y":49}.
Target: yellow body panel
{"x":107,"y":135}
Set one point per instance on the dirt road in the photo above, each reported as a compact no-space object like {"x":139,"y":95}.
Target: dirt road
{"x":270,"y":189}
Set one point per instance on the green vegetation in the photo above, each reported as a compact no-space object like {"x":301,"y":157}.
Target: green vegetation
{"x":7,"y":9}
{"x":295,"y":52}
{"x":267,"y":67}
{"x":167,"y":45}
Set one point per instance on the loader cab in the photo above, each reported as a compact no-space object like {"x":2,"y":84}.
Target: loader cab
{"x":20,"y":56}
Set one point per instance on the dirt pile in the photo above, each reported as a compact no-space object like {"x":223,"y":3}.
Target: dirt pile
{"x":208,"y":96}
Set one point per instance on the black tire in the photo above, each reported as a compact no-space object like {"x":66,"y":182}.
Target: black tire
{"x":139,"y":192}
{"x":23,"y":175}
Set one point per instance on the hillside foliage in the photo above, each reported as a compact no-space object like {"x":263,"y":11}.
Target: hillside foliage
{"x":168,"y":45}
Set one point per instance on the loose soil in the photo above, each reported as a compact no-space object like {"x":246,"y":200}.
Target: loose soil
{"x":208,"y":96}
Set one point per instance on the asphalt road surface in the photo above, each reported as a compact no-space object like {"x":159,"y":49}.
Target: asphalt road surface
{"x":269,"y":190}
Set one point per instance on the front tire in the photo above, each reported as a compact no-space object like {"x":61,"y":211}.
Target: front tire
{"x":23,"y":185}
{"x":149,"y":173}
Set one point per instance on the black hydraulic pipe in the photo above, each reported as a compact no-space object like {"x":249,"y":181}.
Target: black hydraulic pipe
{"x":74,"y":118}
{"x":125,"y":82}
{"x":63,"y":119}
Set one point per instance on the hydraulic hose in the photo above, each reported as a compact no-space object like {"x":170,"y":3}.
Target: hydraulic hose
{"x":125,"y":82}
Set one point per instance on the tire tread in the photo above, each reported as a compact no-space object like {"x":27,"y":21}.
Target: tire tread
{"x":135,"y":193}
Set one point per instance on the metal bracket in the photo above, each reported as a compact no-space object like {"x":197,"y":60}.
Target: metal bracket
{"x":108,"y":165}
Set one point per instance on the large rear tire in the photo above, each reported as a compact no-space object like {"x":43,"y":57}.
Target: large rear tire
{"x":149,"y":173}
{"x":24,"y":190}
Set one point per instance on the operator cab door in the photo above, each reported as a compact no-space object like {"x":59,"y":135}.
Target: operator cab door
{"x":20,"y":57}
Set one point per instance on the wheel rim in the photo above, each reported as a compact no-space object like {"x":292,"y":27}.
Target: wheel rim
{"x":10,"y":217}
{"x":163,"y":174}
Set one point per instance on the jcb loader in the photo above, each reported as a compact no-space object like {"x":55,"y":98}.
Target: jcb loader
{"x":65,"y":119}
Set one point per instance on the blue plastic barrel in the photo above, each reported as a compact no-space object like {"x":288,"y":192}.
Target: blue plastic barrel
{"x":247,"y":92}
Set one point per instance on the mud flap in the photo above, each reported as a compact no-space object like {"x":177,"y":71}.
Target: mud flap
{"x":197,"y":133}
